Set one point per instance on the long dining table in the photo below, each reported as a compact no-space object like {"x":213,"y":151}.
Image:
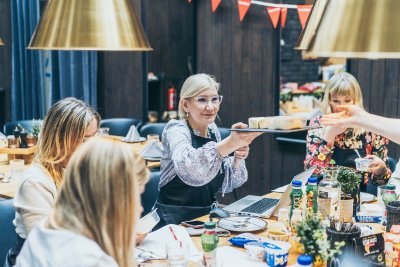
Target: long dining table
{"x":8,"y":189}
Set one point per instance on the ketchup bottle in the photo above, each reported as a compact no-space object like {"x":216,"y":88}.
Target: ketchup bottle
{"x":171,"y":98}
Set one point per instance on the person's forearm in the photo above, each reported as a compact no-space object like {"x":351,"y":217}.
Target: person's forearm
{"x":226,"y":146}
{"x":387,"y":127}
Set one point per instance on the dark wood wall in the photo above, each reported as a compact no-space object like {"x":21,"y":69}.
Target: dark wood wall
{"x":380,"y":85}
{"x":121,"y":82}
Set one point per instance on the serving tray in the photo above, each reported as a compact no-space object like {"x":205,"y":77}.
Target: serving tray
{"x":255,"y":130}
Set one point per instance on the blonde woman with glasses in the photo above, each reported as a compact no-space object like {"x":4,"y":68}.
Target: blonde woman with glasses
{"x":67,"y":124}
{"x":196,"y":162}
{"x":96,"y":211}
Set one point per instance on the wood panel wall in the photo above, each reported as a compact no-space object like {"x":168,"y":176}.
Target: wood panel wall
{"x":121,"y":82}
{"x":380,"y":85}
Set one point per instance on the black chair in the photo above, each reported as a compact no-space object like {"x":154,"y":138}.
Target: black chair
{"x":8,"y":236}
{"x":150,"y":194}
{"x":224,"y":132}
{"x":9,"y":127}
{"x":391,"y":162}
{"x":152,"y":128}
{"x":120,"y":126}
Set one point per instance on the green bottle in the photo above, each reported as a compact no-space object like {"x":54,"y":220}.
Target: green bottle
{"x":312,"y":195}
{"x":209,"y":242}
{"x":296,"y":196}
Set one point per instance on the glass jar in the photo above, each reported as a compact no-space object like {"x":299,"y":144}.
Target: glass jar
{"x":329,"y":191}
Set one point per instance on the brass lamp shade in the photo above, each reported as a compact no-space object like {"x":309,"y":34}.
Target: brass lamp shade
{"x":1,"y":42}
{"x":358,"y":29}
{"x":110,"y":25}
{"x":312,"y":24}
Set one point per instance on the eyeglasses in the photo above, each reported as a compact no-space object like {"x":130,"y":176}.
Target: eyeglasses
{"x":203,"y":101}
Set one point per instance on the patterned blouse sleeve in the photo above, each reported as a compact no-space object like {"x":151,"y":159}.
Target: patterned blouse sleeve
{"x":318,"y":151}
{"x":195,"y":167}
{"x":234,"y":177}
{"x":377,"y":145}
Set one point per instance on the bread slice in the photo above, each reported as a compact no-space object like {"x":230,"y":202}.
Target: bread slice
{"x":258,"y":122}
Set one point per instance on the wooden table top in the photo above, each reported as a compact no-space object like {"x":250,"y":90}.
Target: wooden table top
{"x":7,"y":190}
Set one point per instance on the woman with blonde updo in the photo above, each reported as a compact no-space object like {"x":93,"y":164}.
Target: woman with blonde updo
{"x":337,"y":145}
{"x":96,"y":212}
{"x":196,"y":162}
{"x":67,"y":124}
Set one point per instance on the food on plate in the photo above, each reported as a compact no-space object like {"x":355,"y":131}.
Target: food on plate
{"x":258,"y":122}
{"x":277,"y":122}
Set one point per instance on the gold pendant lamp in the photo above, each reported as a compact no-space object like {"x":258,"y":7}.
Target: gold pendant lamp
{"x":354,"y":29}
{"x":1,"y":42}
{"x":109,"y":25}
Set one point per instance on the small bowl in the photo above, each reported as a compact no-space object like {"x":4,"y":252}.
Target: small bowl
{"x":255,"y":251}
{"x":362,"y":164}
{"x":277,"y":236}
{"x":276,"y":253}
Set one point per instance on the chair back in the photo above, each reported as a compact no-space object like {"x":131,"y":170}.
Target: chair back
{"x":8,"y":128}
{"x":224,"y":132}
{"x":150,"y":194}
{"x":391,"y":162}
{"x":8,"y":237}
{"x":152,"y":128}
{"x":120,"y":126}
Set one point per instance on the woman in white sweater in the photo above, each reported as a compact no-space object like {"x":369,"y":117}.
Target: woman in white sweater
{"x":67,"y":124}
{"x":94,"y":218}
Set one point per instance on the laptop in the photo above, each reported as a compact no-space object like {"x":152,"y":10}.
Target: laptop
{"x":266,"y":207}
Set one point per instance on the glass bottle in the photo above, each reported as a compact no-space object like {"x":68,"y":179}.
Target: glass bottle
{"x":329,"y":191}
{"x":296,"y":196}
{"x":312,"y":195}
{"x":209,"y":243}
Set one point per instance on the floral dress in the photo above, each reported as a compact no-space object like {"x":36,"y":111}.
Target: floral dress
{"x":342,"y":153}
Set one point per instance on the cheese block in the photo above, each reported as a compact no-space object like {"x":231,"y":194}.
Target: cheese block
{"x":258,"y":122}
{"x":285,"y":123}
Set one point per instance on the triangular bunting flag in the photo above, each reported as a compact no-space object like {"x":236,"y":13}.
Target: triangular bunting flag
{"x":215,"y":4}
{"x":304,"y":12}
{"x":244,"y":6}
{"x":283,"y":16}
{"x":274,"y":13}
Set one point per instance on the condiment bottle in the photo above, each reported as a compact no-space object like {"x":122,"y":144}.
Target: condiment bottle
{"x":312,"y":195}
{"x":304,"y":261}
{"x":23,"y":136}
{"x":16,"y":133}
{"x":296,"y":196}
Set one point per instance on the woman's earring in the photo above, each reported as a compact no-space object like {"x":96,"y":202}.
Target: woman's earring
{"x":187,"y":114}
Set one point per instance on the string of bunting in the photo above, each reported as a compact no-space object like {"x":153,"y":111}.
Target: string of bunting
{"x":275,"y":11}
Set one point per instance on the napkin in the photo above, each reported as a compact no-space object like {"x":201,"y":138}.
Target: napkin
{"x":152,"y":150}
{"x":133,"y":135}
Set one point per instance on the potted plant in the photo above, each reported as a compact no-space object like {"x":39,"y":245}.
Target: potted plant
{"x":349,"y":180}
{"x":312,"y":236}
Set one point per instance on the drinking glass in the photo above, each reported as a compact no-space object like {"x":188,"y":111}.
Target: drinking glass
{"x":104,"y":131}
{"x":16,"y":168}
{"x":177,"y":254}
{"x":153,"y":137}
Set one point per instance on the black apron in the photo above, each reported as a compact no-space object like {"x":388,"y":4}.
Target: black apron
{"x":180,"y":202}
{"x":13,"y":252}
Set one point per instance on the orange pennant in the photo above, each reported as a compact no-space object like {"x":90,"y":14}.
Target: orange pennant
{"x":274,"y":13}
{"x":244,"y":6}
{"x":304,"y":12}
{"x":283,"y":16}
{"x":215,"y":4}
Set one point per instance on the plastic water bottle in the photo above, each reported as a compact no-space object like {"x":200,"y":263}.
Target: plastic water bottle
{"x":329,"y":191}
{"x":209,"y":243}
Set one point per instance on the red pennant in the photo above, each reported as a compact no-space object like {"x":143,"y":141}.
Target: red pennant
{"x":283,"y":16}
{"x":274,"y":13}
{"x":215,"y":4}
{"x":304,"y":12}
{"x":244,"y":6}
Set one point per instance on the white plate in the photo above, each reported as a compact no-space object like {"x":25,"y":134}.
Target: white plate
{"x":273,"y":131}
{"x":242,"y":224}
{"x":366,"y":197}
